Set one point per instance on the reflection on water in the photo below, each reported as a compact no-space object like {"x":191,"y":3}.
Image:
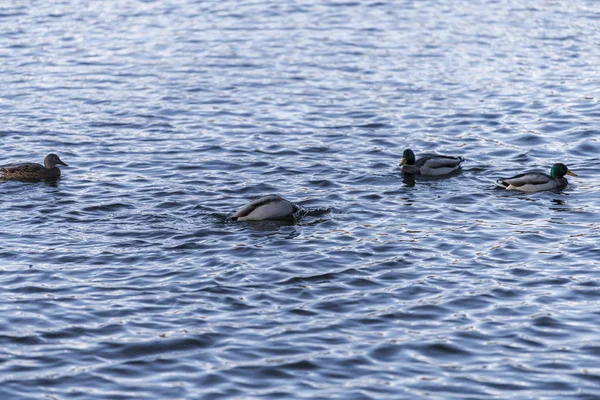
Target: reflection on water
{"x":560,"y":205}
{"x":409,"y":179}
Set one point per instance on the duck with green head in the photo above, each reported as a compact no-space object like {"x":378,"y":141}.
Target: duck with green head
{"x":33,"y":171}
{"x":537,"y":181}
{"x":429,"y":164}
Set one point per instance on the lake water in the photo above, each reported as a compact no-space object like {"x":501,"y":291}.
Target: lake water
{"x":124,"y":280}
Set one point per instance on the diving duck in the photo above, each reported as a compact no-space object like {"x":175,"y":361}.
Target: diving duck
{"x":33,"y":171}
{"x":537,"y":181}
{"x":429,"y":164}
{"x":266,"y":207}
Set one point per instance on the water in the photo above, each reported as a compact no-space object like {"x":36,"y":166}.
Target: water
{"x":124,"y":280}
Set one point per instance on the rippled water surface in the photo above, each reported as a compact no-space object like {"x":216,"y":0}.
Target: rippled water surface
{"x":124,"y":279}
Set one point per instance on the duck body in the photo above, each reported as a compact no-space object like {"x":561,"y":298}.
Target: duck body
{"x":267,"y":207}
{"x":536,"y":181}
{"x":429,"y":164}
{"x":33,"y":171}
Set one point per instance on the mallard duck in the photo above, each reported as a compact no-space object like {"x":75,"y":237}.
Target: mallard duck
{"x":429,"y":164}
{"x":33,"y":171}
{"x":537,"y":181}
{"x":266,"y":207}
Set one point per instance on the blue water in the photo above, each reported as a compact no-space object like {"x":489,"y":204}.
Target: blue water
{"x":124,"y":280}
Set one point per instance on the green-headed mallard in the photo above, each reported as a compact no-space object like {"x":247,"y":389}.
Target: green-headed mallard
{"x":537,"y":181}
{"x":429,"y":164}
{"x":33,"y":171}
{"x":266,"y":207}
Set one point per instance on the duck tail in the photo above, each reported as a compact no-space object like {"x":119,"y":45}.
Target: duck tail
{"x":501,"y":183}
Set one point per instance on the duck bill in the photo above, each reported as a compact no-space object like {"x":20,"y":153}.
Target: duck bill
{"x":62,"y":163}
{"x":571,"y":173}
{"x":403,"y":161}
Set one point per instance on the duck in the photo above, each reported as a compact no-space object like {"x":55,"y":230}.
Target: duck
{"x":33,"y":171}
{"x":429,"y":164}
{"x":267,"y":207}
{"x":535,"y":181}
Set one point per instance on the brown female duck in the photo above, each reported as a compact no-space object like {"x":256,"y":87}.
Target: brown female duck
{"x":33,"y":171}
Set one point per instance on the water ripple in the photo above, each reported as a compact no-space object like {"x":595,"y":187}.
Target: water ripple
{"x":124,"y":279}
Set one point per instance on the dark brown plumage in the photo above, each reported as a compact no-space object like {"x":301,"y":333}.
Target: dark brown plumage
{"x":33,"y":171}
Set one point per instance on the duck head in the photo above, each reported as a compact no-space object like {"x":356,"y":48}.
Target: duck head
{"x":52,"y":160}
{"x":558,"y":171}
{"x":408,"y":157}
